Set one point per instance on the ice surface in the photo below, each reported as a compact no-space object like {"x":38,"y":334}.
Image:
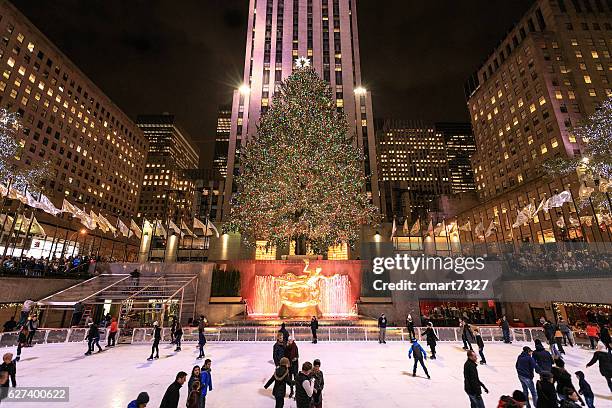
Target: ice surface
{"x":357,"y":374}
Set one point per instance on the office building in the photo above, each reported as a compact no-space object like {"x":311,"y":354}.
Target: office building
{"x":460,"y":146}
{"x":224,"y":117}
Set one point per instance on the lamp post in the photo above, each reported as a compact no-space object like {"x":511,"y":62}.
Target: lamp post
{"x":83,"y":232}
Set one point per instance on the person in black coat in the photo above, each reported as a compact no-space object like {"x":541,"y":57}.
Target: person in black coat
{"x":547,"y":395}
{"x":283,"y":330}
{"x":605,"y":363}
{"x":505,"y":329}
{"x":563,"y":379}
{"x":410,"y":326}
{"x":466,"y":334}
{"x":480,"y":344}
{"x":278,"y":350}
{"x":93,"y":339}
{"x":9,"y":366}
{"x":281,"y":379}
{"x":542,"y":357}
{"x":156,"y":340}
{"x":432,"y":339}
{"x":173,"y":393}
{"x":314,"y":326}
{"x":604,"y":337}
{"x":382,"y":329}
{"x":471,"y":382}
{"x":22,"y":341}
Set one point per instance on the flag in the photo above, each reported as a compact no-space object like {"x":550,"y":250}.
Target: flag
{"x":16,"y":195}
{"x":36,"y":228}
{"x":87,"y":220}
{"x":174,"y":228}
{"x":393,"y":229}
{"x":3,"y":190}
{"x":490,"y":229}
{"x":560,"y":223}
{"x":30,"y":201}
{"x":186,"y":229}
{"x":430,"y":229}
{"x":136,"y":229}
{"x":125,"y":231}
{"x":416,"y":228}
{"x":479,"y":230}
{"x":96,"y":222}
{"x":7,"y":221}
{"x":207,"y":228}
{"x":451,"y":228}
{"x":438,"y":229}
{"x":69,"y":208}
{"x":540,"y":206}
{"x":107,"y":224}
{"x":405,"y":229}
{"x":558,"y":199}
{"x":466,"y":227}
{"x":159,"y":230}
{"x":47,"y":206}
{"x":521,"y":218}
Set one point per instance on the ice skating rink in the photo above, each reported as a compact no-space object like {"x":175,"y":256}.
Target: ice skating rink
{"x":356,"y":374}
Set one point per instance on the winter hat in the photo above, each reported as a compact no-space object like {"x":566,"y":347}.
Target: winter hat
{"x":538,"y":342}
{"x":579,"y":374}
{"x":518,"y":396}
{"x":546,"y":375}
{"x":526,"y":349}
{"x":143,"y":398}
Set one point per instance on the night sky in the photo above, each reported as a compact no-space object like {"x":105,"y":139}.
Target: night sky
{"x":153,"y":56}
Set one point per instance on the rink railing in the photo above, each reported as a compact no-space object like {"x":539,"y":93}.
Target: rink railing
{"x":267,"y":334}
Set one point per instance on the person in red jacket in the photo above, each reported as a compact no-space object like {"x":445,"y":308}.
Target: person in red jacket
{"x":112,"y":333}
{"x":292,"y":353}
{"x":593,"y":332}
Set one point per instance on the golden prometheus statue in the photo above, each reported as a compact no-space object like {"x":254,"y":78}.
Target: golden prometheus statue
{"x":300,"y":295}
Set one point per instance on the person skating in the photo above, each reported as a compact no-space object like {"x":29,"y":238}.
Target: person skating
{"x":604,"y":337}
{"x":566,"y":331}
{"x":314,"y":326}
{"x":419,"y":356}
{"x":431,"y":339}
{"x":547,"y":395}
{"x":21,"y":341}
{"x":549,"y":333}
{"x":156,"y":340}
{"x":292,"y":353}
{"x":193,"y":400}
{"x":571,"y":399}
{"x":173,"y":392}
{"x":172,"y":330}
{"x":584,"y":389}
{"x":112,"y":333}
{"x":10,"y":367}
{"x":592,"y":331}
{"x":10,"y":325}
{"x":281,"y":378}
{"x":25,"y":312}
{"x":140,"y":402}
{"x":284,"y":332}
{"x":517,"y":400}
{"x":605,"y":363}
{"x":542,"y":357}
{"x":466,"y":334}
{"x":382,"y":329}
{"x":410,"y":326}
{"x":480,"y":345}
{"x":319,"y":383}
{"x":201,"y":339}
{"x":471,"y":382}
{"x":178,"y":335}
{"x":32,"y":328}
{"x":563,"y":379}
{"x":278,"y":350}
{"x":93,"y":339}
{"x":304,"y":386}
{"x":525,"y":367}
{"x":205,"y":381}
{"x":505,"y":326}
{"x":195,"y":376}
{"x":559,"y":339}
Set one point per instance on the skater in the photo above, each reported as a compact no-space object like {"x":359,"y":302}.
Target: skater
{"x":542,"y":357}
{"x":10,"y":325}
{"x":21,"y":341}
{"x":517,"y":400}
{"x":593,"y":332}
{"x":480,"y":345}
{"x":382,"y":329}
{"x":284,"y":332}
{"x":10,"y":367}
{"x":293,"y":354}
{"x":195,"y":376}
{"x":32,"y":327}
{"x":547,"y":395}
{"x":205,"y":381}
{"x":571,"y":399}
{"x":559,"y":339}
{"x":304,"y":386}
{"x":604,"y":337}
{"x":281,"y":379}
{"x":432,"y":339}
{"x":549,"y":333}
{"x":278,"y":350}
{"x":410,"y":326}
{"x":563,"y":379}
{"x":525,"y":367}
{"x":471,"y":383}
{"x":319,"y":383}
{"x":193,"y":400}
{"x":173,"y":392}
{"x":178,"y":334}
{"x":566,"y":332}
{"x":156,"y":340}
{"x":505,"y":329}
{"x":419,"y":357}
{"x":201,"y":340}
{"x":605,"y":363}
{"x":112,"y":333}
{"x":584,"y":389}
{"x":25,"y":312}
{"x":93,"y":339}
{"x":466,"y":334}
{"x":172,"y":331}
{"x":140,"y":402}
{"x":314,"y":326}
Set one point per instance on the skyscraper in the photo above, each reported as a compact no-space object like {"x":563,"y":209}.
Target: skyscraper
{"x":224,"y":125}
{"x":460,"y":146}
{"x":278,"y":33}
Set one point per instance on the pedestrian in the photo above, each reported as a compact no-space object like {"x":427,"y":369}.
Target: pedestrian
{"x":559,"y":339}
{"x":549,"y":333}
{"x":547,"y":395}
{"x":571,"y":399}
{"x":293,"y":354}
{"x":10,"y":325}
{"x":517,"y":400}
{"x":21,"y":341}
{"x":112,"y":333}
{"x":93,"y":339}
{"x":319,"y":383}
{"x":10,"y":367}
{"x":419,"y":357}
{"x":584,"y":389}
{"x":566,"y":332}
{"x":525,"y":367}
{"x":284,"y":332}
{"x":505,"y":329}
{"x":156,"y":340}
{"x":471,"y":382}
{"x":592,"y":330}
{"x":542,"y":357}
{"x":278,"y":350}
{"x":32,"y":327}
{"x":563,"y":379}
{"x":77,"y":314}
{"x":178,"y":335}
{"x":201,"y":340}
{"x":410,"y":326}
{"x":173,"y":392}
{"x":431,"y":339}
{"x":480,"y":345}
{"x":193,"y":400}
{"x":205,"y":381}
{"x":382,"y":329}
{"x":466,"y":334}
{"x":195,"y":376}
{"x":280,"y":378}
{"x":314,"y":326}
{"x":304,"y":386}
{"x":140,"y":402}
{"x":604,"y":337}
{"x":605,"y":363}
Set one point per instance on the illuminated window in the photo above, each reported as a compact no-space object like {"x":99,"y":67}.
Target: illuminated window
{"x":594,"y":54}
{"x":30,"y":47}
{"x":542,"y":100}
{"x":587,"y":79}
{"x":554,"y":143}
{"x":558,"y":95}
{"x":592,"y":92}
{"x":532,"y":108}
{"x":543,"y":149}
{"x":11,"y":62}
{"x":340,"y":103}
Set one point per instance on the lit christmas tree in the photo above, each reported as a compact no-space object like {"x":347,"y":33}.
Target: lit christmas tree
{"x":302,"y":176}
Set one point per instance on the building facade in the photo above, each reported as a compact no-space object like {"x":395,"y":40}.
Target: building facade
{"x":550,"y":71}
{"x":96,"y":153}
{"x":279,"y":32}
{"x":460,"y":147}
{"x":168,"y":193}
{"x":222,"y":137}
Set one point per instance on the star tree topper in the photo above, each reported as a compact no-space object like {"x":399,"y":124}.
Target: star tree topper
{"x":302,"y":62}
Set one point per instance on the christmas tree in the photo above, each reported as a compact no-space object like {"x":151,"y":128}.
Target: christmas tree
{"x":302,"y":176}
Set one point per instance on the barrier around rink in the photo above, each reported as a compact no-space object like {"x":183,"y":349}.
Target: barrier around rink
{"x":268,"y":334}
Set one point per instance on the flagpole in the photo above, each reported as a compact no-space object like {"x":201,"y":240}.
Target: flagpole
{"x":30,"y":226}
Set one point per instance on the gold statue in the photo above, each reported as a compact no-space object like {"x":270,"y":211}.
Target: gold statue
{"x":300,"y":295}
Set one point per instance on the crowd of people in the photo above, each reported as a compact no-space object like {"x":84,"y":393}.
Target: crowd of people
{"x":557,"y":262}
{"x":65,"y":266}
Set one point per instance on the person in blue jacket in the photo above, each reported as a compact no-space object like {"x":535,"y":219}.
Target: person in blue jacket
{"x":525,"y":367}
{"x":140,"y":402}
{"x":205,"y":381}
{"x":419,"y":356}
